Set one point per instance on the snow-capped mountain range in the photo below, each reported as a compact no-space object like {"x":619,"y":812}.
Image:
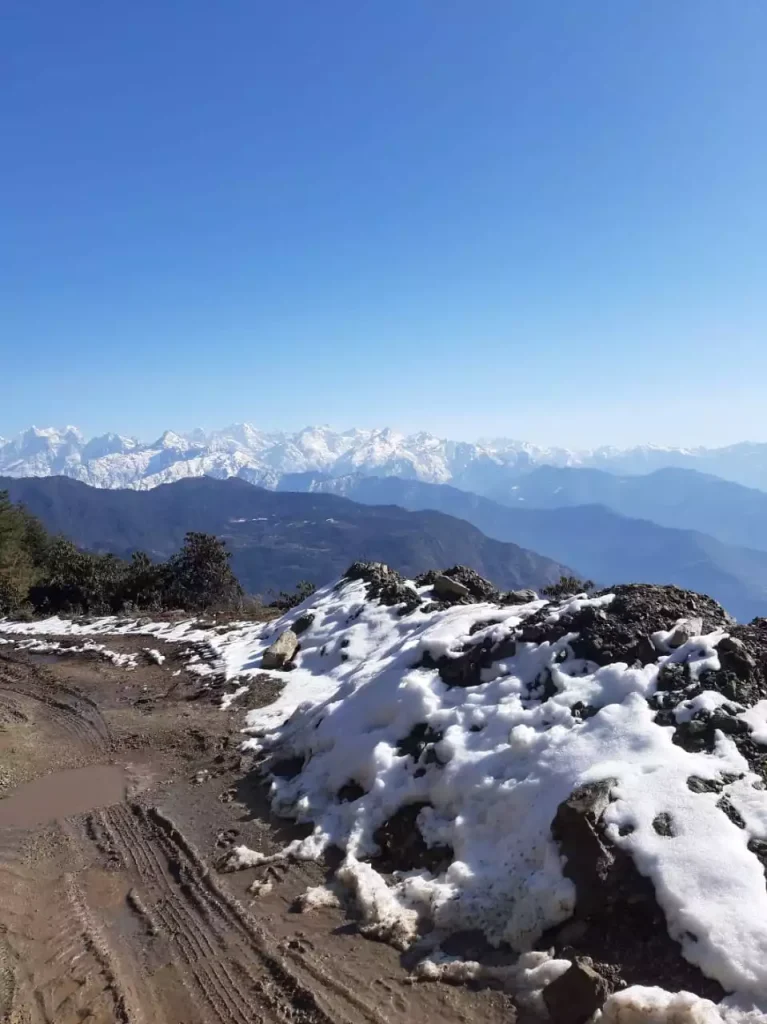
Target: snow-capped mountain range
{"x":263,"y":457}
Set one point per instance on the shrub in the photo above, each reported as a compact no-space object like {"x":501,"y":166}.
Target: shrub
{"x":567,"y":586}
{"x":286,"y":600}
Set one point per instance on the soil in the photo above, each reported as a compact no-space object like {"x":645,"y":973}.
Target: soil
{"x":120,"y":790}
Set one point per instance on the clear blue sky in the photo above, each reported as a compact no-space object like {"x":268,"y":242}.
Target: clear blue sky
{"x":540,"y":219}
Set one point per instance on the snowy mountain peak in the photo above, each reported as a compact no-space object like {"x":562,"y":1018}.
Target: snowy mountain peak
{"x":170,"y":439}
{"x":241,"y":449}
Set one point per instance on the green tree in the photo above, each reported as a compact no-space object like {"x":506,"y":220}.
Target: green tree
{"x":23,"y":548}
{"x":200,"y":575}
{"x":144,"y":582}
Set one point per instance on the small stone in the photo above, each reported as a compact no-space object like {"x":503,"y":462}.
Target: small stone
{"x":520,"y":597}
{"x":301,"y":625}
{"x":449,"y":589}
{"x":664,"y":824}
{"x":577,"y":994}
{"x":282,"y":651}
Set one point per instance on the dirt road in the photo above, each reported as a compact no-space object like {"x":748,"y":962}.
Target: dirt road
{"x":119,"y":792}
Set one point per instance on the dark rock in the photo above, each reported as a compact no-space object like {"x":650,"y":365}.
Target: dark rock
{"x":759,"y":849}
{"x":726,"y":805}
{"x":576,"y":829}
{"x":420,"y":738}
{"x":286,"y":767}
{"x":577,"y":994}
{"x":645,"y":651}
{"x":582,"y":711}
{"x":402,"y":846}
{"x":301,"y":625}
{"x":384,"y":584}
{"x":700,"y":732}
{"x":349,"y":792}
{"x":674,"y":676}
{"x":477,"y":627}
{"x":621,"y":630}
{"x":624,"y":926}
{"x":282,"y":651}
{"x":543,"y":687}
{"x":698,"y":785}
{"x":664,"y":825}
{"x":465,"y":667}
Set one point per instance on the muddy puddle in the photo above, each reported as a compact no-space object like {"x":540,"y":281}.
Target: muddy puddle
{"x":62,"y":794}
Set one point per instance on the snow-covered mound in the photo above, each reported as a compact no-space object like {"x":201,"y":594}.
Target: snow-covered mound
{"x":584,"y":776}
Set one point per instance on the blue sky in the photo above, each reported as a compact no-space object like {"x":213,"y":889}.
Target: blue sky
{"x":540,"y":219}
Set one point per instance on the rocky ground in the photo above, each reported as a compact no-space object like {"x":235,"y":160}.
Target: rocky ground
{"x":123,"y":790}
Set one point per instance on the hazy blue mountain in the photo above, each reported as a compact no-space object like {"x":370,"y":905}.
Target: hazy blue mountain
{"x":681,"y":498}
{"x":596,"y":541}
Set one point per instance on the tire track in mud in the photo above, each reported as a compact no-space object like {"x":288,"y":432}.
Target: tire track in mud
{"x":56,"y":965}
{"x":22,"y":684}
{"x":229,"y":963}
{"x":173,"y":944}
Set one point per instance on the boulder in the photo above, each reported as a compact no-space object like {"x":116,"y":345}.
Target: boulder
{"x":449,"y":589}
{"x":282,"y":651}
{"x":577,"y":994}
{"x":519,"y":597}
{"x":622,"y":926}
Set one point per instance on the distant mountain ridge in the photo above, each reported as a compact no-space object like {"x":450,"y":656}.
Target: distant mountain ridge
{"x":678,"y":498}
{"x":114,"y":460}
{"x":276,"y":539}
{"x":598,"y":542}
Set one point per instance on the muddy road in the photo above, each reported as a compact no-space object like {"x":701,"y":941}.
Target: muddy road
{"x":120,"y":790}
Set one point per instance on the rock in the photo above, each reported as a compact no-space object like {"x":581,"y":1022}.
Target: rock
{"x":403,"y":847}
{"x":519,"y":597}
{"x":734,"y":657}
{"x":685,"y":630}
{"x":301,"y":625}
{"x":282,"y":651}
{"x":465,"y":668}
{"x":576,"y":828}
{"x":449,"y":589}
{"x":645,"y":650}
{"x":663,"y":824}
{"x":479,"y":589}
{"x":578,"y":993}
{"x":624,"y":925}
{"x":621,"y":630}
{"x":384,"y":584}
